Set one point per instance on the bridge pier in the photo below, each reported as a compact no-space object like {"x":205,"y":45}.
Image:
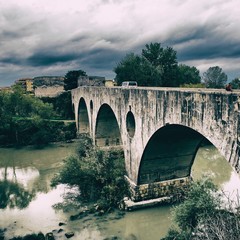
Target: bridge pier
{"x":169,"y":189}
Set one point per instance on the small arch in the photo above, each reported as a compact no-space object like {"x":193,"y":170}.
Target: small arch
{"x":131,"y":125}
{"x":83,"y":120}
{"x":169,"y":154}
{"x":107,"y":129}
{"x":91,"y":107}
{"x":73,"y":108}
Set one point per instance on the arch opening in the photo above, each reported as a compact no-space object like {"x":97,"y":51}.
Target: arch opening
{"x":83,"y":120}
{"x":169,"y":154}
{"x":131,"y":125}
{"x":91,"y":107}
{"x":107,"y":129}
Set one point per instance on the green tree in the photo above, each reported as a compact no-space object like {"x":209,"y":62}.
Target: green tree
{"x":235,"y":83}
{"x":214,"y":77}
{"x":188,"y":75}
{"x":156,"y":66}
{"x":71,"y":79}
{"x":165,"y":60}
{"x":201,"y":201}
{"x":128,"y":69}
{"x":153,"y":53}
{"x":98,"y":174}
{"x":24,"y":120}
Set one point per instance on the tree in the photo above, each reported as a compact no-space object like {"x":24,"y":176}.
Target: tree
{"x":71,"y":79}
{"x":98,"y":174}
{"x":128,"y":69}
{"x":165,"y":60}
{"x":235,"y":83}
{"x":214,"y":77}
{"x":157,"y":66}
{"x":135,"y":68}
{"x":153,"y":53}
{"x":188,"y":75}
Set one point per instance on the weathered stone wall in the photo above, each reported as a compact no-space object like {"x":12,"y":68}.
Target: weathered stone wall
{"x":212,"y":113}
{"x":48,"y":81}
{"x":170,"y":188}
{"x":48,"y":91}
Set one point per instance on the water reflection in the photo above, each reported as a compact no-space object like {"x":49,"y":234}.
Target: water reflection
{"x":210,"y":162}
{"x":14,"y":195}
{"x":13,"y":187}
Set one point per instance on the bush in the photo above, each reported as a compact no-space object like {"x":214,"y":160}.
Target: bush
{"x":201,"y":215}
{"x":98,"y":174}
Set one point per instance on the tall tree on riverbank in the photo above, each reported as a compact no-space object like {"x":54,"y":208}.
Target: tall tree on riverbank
{"x":71,"y":79}
{"x":214,"y":77}
{"x":164,"y":59}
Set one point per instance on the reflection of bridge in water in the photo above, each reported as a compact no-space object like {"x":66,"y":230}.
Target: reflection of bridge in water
{"x":160,"y":130}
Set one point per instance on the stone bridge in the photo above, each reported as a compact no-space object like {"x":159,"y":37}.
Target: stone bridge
{"x":160,"y":130}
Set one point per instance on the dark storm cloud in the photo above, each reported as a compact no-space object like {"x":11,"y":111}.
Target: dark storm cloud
{"x":210,"y":50}
{"x":42,"y":58}
{"x":102,"y":58}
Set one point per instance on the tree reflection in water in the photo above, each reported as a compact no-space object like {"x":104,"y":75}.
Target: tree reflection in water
{"x":12,"y":193}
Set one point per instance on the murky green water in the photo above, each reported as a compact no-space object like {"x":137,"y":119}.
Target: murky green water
{"x":26,"y":197}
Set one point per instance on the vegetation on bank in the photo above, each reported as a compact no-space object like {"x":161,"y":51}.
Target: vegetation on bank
{"x":26,"y":119}
{"x":203,"y":215}
{"x":98,"y":174}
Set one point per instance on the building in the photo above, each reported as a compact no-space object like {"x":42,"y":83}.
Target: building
{"x":110,"y":83}
{"x":5,"y":89}
{"x":26,"y":84}
{"x":91,"y":81}
{"x":48,"y":86}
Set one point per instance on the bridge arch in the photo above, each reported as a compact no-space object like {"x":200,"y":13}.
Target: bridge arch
{"x":107,"y":131}
{"x":83,"y":119}
{"x":169,"y":154}
{"x":131,"y":124}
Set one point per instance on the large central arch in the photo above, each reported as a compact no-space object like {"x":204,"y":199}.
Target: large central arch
{"x":169,"y":154}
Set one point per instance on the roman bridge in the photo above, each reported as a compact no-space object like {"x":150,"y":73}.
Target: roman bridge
{"x":160,"y":130}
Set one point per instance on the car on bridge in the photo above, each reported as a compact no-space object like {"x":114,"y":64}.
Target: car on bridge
{"x":129,"y":84}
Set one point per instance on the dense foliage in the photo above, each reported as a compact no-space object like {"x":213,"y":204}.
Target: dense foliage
{"x":202,"y":217}
{"x":62,"y":105}
{"x":156,"y":66}
{"x":188,"y":75}
{"x":28,"y":120}
{"x":235,"y":83}
{"x":98,"y":174}
{"x":214,"y":77}
{"x":71,"y":79}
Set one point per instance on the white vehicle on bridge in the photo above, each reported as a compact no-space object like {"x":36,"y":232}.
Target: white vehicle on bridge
{"x":129,"y":84}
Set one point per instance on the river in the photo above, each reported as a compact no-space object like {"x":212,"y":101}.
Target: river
{"x":26,"y":198}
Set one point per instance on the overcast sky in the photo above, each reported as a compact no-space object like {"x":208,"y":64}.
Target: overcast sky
{"x":52,"y":37}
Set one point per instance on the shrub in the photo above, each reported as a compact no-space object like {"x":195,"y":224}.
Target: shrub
{"x":202,"y":216}
{"x":98,"y":174}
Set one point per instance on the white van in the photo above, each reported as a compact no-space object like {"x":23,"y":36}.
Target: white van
{"x":129,"y":84}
